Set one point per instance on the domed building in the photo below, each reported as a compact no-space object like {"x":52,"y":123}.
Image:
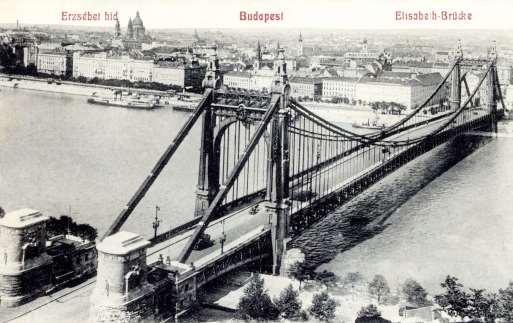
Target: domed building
{"x":135,"y":33}
{"x":139,"y":31}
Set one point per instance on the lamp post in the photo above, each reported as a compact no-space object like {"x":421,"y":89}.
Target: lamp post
{"x":156,"y":222}
{"x":222,"y":239}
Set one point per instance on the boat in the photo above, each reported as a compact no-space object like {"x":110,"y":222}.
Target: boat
{"x":127,"y":102}
{"x":375,"y":124}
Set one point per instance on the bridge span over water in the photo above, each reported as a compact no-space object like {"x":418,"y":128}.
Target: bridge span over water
{"x":268,"y":169}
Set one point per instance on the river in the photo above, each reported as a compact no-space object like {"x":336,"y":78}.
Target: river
{"x":61,"y":153}
{"x":448,"y":212}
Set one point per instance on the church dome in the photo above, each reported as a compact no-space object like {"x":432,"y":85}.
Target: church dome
{"x":137,"y":20}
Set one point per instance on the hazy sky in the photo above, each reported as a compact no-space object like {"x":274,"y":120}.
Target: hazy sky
{"x":347,"y":14}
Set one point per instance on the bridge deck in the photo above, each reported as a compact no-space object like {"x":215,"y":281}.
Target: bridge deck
{"x":241,"y":222}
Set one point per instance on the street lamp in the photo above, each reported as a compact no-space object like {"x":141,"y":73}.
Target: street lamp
{"x":222,"y":239}
{"x":156,"y":222}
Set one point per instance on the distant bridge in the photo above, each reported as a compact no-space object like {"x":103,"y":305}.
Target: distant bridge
{"x":268,"y":169}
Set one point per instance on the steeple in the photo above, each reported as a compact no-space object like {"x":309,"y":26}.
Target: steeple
{"x":458,"y":52}
{"x":281,"y":80}
{"x":117,"y":29}
{"x":259,"y":51}
{"x":492,"y":52}
{"x":212,"y":76}
{"x":130,"y":29}
{"x":300,"y":45}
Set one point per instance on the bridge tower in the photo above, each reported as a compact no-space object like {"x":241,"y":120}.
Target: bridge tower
{"x":455,"y":98}
{"x":278,"y":206}
{"x":208,"y":174}
{"x":491,"y":88}
{"x":25,"y":267}
{"x":122,"y":292}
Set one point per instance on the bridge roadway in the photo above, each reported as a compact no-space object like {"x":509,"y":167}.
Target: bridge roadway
{"x":72,"y":304}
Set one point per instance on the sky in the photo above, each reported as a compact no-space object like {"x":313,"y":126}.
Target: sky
{"x":344,"y":14}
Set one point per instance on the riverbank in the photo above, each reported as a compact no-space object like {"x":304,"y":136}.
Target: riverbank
{"x":350,"y":114}
{"x":73,"y":88}
{"x":339,"y":113}
{"x":351,"y":297}
{"x":69,"y":87}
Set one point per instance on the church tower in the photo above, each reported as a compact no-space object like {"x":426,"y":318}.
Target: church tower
{"x":117,"y":30}
{"x":129,"y":29}
{"x":258,"y":62}
{"x":300,"y":45}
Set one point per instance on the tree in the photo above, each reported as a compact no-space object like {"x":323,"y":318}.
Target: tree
{"x":369,"y":311}
{"x":327,"y":278}
{"x":370,"y":314}
{"x":414,"y":293}
{"x":323,"y":307}
{"x":454,"y":301}
{"x":379,"y":287}
{"x":505,"y":300}
{"x":65,"y":225}
{"x":300,"y":272}
{"x":288,"y":303}
{"x":482,"y":306}
{"x":352,"y":279}
{"x":256,"y":302}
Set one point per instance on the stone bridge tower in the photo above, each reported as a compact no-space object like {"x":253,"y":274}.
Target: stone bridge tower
{"x":24,"y":265}
{"x":122,"y":293}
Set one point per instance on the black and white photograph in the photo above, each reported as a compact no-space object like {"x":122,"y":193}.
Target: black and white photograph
{"x":256,"y":161}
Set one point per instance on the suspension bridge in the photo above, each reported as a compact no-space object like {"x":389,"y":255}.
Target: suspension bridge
{"x":268,"y":169}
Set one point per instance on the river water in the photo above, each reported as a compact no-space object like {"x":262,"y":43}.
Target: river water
{"x":59,"y":152}
{"x":448,"y":212}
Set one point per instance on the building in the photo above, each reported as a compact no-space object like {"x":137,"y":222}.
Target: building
{"x":72,"y":257}
{"x":236,"y":79}
{"x":300,"y":51}
{"x":260,"y":77}
{"x":103,"y":66}
{"x":117,"y":29}
{"x":58,"y":63}
{"x":364,"y":55}
{"x":135,"y":33}
{"x":339,"y":87}
{"x":31,"y":264}
{"x":411,"y":90}
{"x":138,"y":30}
{"x":305,"y":87}
{"x":187,"y":75}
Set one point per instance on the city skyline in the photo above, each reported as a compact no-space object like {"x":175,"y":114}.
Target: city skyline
{"x":349,"y":14}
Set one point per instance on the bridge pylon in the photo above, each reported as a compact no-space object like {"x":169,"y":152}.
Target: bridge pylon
{"x":208,"y":181}
{"x":278,"y":206}
{"x":491,"y":88}
{"x":455,"y":97}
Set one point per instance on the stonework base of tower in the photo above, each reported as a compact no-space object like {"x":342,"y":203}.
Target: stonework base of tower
{"x":140,"y":308}
{"x":20,"y":287}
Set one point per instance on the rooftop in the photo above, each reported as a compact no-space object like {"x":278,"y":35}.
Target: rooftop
{"x":238,"y":73}
{"x":22,"y":218}
{"x":122,"y":243}
{"x":305,"y":80}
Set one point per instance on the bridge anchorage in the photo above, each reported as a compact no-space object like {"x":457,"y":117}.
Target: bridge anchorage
{"x":269,"y":168}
